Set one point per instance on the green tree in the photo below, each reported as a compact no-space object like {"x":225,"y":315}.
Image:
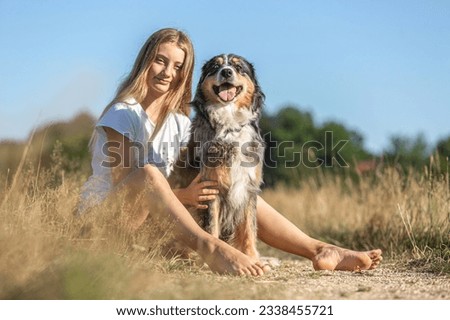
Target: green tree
{"x":285,"y":133}
{"x":70,"y":137}
{"x":443,"y":153}
{"x":409,"y":153}
{"x":296,"y":147}
{"x":342,"y":146}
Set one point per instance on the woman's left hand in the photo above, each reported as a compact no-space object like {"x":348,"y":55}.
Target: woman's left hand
{"x":197,"y":193}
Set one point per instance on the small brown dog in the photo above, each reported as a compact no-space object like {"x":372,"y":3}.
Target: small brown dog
{"x":226,"y":146}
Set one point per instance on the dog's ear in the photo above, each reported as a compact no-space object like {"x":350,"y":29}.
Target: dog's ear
{"x":259,"y":96}
{"x":199,"y":98}
{"x":258,"y":100}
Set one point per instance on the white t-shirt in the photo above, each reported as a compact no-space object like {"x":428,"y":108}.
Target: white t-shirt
{"x":130,"y":120}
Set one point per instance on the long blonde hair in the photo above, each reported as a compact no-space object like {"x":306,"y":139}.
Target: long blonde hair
{"x":135,"y":84}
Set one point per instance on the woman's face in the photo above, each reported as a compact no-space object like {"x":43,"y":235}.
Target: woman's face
{"x":164,"y":73}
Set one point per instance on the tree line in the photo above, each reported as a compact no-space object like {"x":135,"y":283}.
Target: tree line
{"x":296,"y":147}
{"x":331,"y":147}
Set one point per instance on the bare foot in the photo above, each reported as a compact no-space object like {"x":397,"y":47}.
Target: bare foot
{"x":224,"y":259}
{"x":335,"y":258}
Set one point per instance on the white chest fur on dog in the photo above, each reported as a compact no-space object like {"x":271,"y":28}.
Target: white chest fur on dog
{"x":232,"y":127}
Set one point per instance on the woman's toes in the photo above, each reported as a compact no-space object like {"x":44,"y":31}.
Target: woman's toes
{"x":375,"y":253}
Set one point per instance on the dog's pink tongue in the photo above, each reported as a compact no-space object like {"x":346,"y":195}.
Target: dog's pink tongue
{"x":227,"y":94}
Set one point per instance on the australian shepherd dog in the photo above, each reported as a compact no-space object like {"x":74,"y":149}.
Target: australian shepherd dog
{"x":226,"y":146}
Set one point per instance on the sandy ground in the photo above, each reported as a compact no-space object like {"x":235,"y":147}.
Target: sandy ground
{"x":296,"y":279}
{"x":389,"y":281}
{"x":292,"y":279}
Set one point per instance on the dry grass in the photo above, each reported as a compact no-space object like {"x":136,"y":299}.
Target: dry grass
{"x":46,"y":253}
{"x":407,"y":216}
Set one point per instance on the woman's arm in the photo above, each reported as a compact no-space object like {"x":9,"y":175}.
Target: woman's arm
{"x":121,"y":146}
{"x":148,"y":180}
{"x":194,"y":195}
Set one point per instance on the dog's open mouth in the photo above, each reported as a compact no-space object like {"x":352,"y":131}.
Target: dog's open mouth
{"x":227,"y":92}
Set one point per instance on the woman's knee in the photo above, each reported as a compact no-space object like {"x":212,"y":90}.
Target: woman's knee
{"x":152,"y":175}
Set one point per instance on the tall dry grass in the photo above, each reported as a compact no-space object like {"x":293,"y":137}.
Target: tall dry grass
{"x":408,"y":216}
{"x":47,"y":253}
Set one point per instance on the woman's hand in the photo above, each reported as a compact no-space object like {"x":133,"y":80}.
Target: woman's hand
{"x":197,"y":193}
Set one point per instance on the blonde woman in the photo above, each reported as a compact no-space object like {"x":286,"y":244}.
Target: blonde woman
{"x":137,"y":139}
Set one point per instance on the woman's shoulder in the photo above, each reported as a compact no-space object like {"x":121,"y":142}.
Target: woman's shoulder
{"x":130,"y":105}
{"x":128,"y":109}
{"x":126,"y":116}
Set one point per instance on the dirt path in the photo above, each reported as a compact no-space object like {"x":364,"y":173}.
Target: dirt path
{"x":388,"y":282}
{"x":295,"y":279}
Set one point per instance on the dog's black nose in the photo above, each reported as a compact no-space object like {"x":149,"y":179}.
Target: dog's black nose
{"x":226,"y":73}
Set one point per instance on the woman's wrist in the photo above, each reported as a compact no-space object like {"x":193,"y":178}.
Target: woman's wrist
{"x":179,"y":194}
{"x":184,"y":197}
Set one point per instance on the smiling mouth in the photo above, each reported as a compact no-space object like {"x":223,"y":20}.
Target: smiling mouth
{"x":165,"y":81}
{"x":227,"y":92}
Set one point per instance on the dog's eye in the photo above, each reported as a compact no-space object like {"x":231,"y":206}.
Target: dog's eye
{"x":239,"y":68}
{"x":213,"y":69}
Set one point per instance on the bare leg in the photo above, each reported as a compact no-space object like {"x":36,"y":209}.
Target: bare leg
{"x":280,"y":233}
{"x":146,"y":186}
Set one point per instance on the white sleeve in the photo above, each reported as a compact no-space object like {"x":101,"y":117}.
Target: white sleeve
{"x":121,"y":119}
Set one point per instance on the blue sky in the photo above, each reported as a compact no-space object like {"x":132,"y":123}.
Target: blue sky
{"x":379,"y":67}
